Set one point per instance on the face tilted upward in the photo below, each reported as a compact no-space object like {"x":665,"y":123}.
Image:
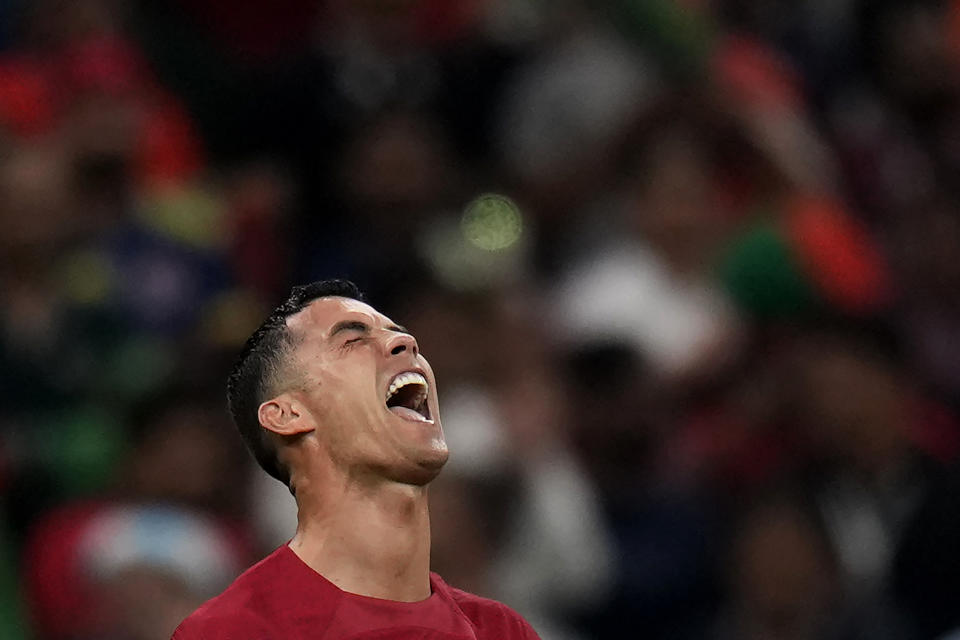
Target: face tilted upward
{"x":369,"y":392}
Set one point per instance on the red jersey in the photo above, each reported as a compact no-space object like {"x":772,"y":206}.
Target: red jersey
{"x":281,"y":598}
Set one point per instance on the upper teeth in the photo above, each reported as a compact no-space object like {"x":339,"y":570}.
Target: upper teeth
{"x":403,"y":379}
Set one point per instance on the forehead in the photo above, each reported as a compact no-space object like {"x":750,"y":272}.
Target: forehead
{"x":320,"y":316}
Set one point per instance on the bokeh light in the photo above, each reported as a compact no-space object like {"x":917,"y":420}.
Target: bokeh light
{"x":492,"y":222}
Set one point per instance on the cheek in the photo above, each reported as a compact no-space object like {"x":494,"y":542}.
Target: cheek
{"x":426,"y":365}
{"x":434,"y":392}
{"x":344,"y":394}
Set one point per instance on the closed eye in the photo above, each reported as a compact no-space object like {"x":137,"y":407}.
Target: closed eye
{"x":348,"y":327}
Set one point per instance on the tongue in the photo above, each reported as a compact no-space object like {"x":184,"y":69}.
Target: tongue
{"x":407,"y":414}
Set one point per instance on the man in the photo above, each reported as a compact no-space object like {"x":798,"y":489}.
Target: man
{"x":336,"y":401}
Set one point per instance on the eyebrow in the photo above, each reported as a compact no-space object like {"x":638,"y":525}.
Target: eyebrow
{"x":362,"y":327}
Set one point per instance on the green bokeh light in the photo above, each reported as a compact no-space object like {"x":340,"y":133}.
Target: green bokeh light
{"x":492,"y":222}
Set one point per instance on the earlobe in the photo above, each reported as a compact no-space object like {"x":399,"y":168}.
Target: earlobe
{"x":283,"y":416}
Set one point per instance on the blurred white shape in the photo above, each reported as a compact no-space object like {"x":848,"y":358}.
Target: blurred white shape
{"x":513,"y":23}
{"x":571,"y":101}
{"x":472,"y":427}
{"x":558,"y":554}
{"x":625,"y":293}
{"x":863,"y":540}
{"x":273,"y":510}
{"x":177,"y":542}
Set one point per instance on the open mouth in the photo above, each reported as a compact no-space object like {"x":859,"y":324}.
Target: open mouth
{"x":407,"y":397}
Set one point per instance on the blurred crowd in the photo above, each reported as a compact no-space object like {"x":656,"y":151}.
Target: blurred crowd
{"x":688,"y":272}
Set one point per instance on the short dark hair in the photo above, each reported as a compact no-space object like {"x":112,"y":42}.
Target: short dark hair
{"x":256,"y":371}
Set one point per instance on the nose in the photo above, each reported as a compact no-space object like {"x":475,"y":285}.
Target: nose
{"x":402,"y":343}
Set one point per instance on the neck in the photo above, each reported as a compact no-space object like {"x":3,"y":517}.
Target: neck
{"x":368,"y":539}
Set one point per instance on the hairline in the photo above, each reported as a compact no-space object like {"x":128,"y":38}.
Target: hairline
{"x":292,"y":338}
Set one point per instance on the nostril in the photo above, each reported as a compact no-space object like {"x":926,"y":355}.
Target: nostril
{"x":400,"y":348}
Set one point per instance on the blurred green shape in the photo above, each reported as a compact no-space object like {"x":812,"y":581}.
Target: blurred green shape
{"x":681,"y":37}
{"x":136,"y":366}
{"x":460,"y":263}
{"x":762,"y":276}
{"x":81,"y":448}
{"x":492,"y":222}
{"x":11,"y":611}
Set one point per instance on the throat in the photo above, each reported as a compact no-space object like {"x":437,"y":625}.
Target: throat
{"x":372,"y":545}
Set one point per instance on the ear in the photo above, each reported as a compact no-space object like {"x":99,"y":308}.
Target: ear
{"x":284,"y":416}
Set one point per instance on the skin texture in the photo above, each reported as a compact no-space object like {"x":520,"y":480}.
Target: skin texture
{"x":360,"y":471}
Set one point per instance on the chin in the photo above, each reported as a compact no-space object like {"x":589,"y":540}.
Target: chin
{"x":427,"y":466}
{"x":437,"y":459}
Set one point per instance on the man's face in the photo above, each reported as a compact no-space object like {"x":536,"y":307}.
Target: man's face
{"x":369,"y":394}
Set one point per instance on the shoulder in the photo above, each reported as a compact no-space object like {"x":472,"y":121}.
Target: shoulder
{"x":233,"y":615}
{"x":218,"y":623}
{"x":491,"y":618}
{"x":242,"y":611}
